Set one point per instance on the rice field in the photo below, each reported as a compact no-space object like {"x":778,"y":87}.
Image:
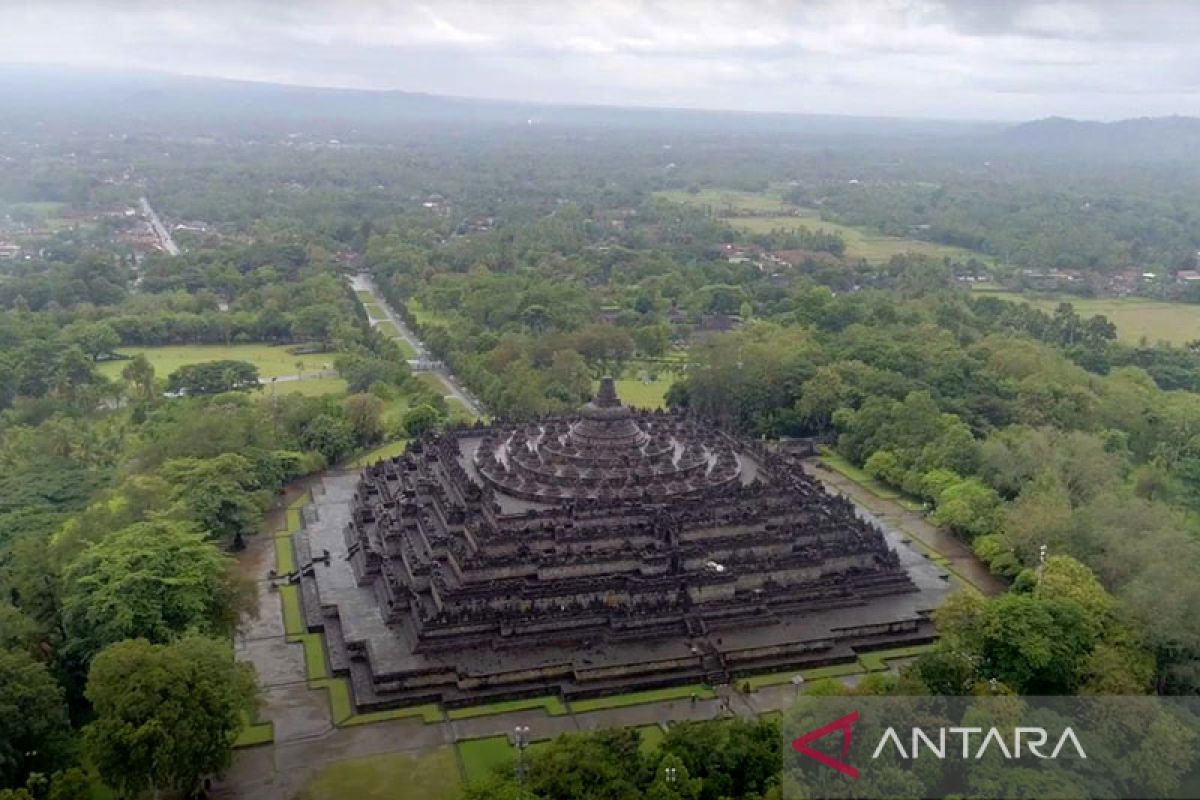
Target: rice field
{"x":773,"y":214}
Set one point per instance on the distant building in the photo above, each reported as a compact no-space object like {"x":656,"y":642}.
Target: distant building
{"x":10,"y":252}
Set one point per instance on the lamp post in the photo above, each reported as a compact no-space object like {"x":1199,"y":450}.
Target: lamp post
{"x":521,"y":739}
{"x":797,"y":681}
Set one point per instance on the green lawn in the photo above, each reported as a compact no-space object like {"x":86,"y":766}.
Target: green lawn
{"x":293,"y":619}
{"x":429,"y":713}
{"x":389,"y":450}
{"x":428,"y":776}
{"x":637,"y":698}
{"x":875,"y":661}
{"x":836,"y":463}
{"x":651,"y":736}
{"x":481,"y":756}
{"x":1135,"y":317}
{"x":309,"y":387}
{"x":285,"y":559}
{"x":315,"y":667}
{"x":433,"y":381}
{"x":552,"y":705}
{"x":365,"y":296}
{"x":727,"y":201}
{"x":639,"y":394}
{"x":389,"y":329}
{"x":860,"y":243}
{"x":424,"y":316}
{"x":816,"y":673}
{"x":374,"y":311}
{"x":271,"y":360}
{"x":253,"y":735}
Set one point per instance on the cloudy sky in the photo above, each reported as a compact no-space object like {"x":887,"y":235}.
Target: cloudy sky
{"x":927,"y":58}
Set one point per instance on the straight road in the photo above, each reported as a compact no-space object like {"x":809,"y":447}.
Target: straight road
{"x":160,"y":230}
{"x":363,"y":283}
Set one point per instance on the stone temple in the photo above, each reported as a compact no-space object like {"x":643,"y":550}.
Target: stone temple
{"x":603,"y":552}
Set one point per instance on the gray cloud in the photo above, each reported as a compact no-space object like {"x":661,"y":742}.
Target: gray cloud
{"x":977,"y":58}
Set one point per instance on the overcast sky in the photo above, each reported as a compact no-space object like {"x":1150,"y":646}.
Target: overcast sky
{"x":990,"y":59}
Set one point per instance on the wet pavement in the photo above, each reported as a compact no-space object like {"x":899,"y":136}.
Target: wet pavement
{"x":894,"y":517}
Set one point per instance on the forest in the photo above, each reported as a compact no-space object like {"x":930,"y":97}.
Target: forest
{"x":532,"y":262}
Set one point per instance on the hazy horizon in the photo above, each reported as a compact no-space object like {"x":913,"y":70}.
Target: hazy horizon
{"x":913,"y":59}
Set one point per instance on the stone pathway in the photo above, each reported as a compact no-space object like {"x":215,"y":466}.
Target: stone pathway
{"x":913,"y":525}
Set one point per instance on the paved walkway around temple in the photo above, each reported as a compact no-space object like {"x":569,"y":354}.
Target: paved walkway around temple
{"x":957,"y":556}
{"x":306,"y":741}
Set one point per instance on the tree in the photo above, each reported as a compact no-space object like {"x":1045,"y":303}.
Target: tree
{"x":94,"y":338}
{"x":224,"y":496}
{"x":214,"y":377}
{"x":969,"y":507}
{"x":420,"y":419}
{"x":139,"y":374}
{"x":35,"y":734}
{"x":652,"y":340}
{"x":166,"y":715}
{"x":153,"y":580}
{"x":328,"y":435}
{"x":364,"y":412}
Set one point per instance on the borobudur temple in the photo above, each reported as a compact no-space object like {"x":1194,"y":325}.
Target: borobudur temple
{"x":603,"y":552}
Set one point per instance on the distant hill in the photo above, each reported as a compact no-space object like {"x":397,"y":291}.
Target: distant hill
{"x":1144,"y":138}
{"x":132,"y":101}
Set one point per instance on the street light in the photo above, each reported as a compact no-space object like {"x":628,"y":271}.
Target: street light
{"x":797,"y":681}
{"x":521,"y":739}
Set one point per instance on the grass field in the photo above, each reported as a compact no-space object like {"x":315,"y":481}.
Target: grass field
{"x":776,"y":215}
{"x":1135,"y":317}
{"x":374,"y":311}
{"x":651,"y":736}
{"x":481,"y":756}
{"x":272,"y":361}
{"x":430,"y":776}
{"x":309,"y":387}
{"x":389,"y":450}
{"x":389,"y":329}
{"x":635,"y":392}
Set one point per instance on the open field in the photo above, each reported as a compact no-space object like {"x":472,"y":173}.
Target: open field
{"x":1135,"y":317}
{"x":860,"y":243}
{"x":271,"y":360}
{"x":309,"y":387}
{"x":430,"y":776}
{"x":635,"y":392}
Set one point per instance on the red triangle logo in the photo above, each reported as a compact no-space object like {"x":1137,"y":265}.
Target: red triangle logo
{"x":843,"y":724}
